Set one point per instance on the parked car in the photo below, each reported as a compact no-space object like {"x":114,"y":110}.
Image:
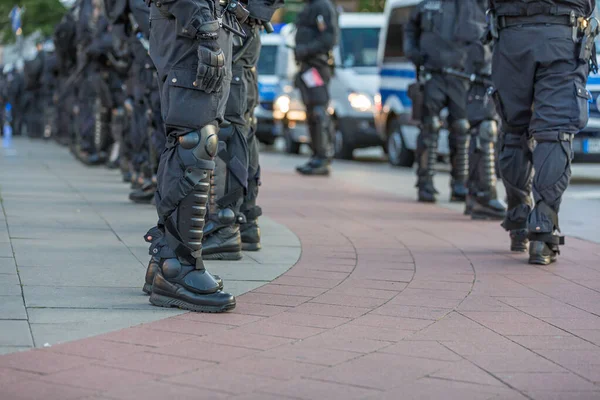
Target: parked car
{"x":352,"y":88}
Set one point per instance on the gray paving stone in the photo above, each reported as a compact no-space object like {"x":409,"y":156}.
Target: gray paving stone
{"x":6,"y":250}
{"x":124,"y":274}
{"x":84,"y":297}
{"x":81,"y":256}
{"x":15,"y":333}
{"x":12,"y":307}
{"x":7,"y":265}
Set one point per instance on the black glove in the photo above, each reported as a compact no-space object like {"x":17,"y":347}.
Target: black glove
{"x":211,"y":66}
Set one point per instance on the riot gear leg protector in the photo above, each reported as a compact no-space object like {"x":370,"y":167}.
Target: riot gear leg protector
{"x":228,"y":186}
{"x":459,"y":130}
{"x":319,"y":127}
{"x":182,"y":280}
{"x":516,"y":169}
{"x":482,"y":173}
{"x":426,"y":158}
{"x":549,"y":183}
{"x":117,"y":130}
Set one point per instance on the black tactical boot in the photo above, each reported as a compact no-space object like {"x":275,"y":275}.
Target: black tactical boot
{"x":316,"y":167}
{"x":250,"y":233}
{"x":188,"y":288}
{"x":145,"y":194}
{"x":459,"y":192}
{"x":427,"y":192}
{"x":519,"y":240}
{"x":541,"y":253}
{"x":153,"y":268}
{"x":224,"y":243}
{"x":488,"y":210}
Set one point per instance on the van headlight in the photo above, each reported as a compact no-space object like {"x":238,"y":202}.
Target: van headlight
{"x":282,"y":104}
{"x":360,"y":101}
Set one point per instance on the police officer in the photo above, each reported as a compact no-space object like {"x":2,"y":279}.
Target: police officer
{"x":223,"y":239}
{"x":482,"y":200}
{"x":437,"y":37}
{"x":540,"y":68}
{"x":191,"y":50}
{"x":315,"y":37}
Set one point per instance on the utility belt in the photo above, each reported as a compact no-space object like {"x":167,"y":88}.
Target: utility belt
{"x":583,"y":29}
{"x":234,"y":7}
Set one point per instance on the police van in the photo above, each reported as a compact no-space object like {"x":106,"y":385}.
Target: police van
{"x":393,"y":107}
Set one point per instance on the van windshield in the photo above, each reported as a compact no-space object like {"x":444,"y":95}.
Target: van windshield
{"x":358,"y":47}
{"x":267,"y":60}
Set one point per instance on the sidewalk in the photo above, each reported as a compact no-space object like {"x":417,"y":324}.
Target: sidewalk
{"x":389,"y":299}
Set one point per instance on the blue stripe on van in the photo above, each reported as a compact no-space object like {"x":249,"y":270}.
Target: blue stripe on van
{"x":400,"y":73}
{"x":401,"y":94}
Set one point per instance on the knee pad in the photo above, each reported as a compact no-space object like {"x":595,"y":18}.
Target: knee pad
{"x":198,"y":148}
{"x":432,"y":124}
{"x":460,"y":127}
{"x":488,"y":131}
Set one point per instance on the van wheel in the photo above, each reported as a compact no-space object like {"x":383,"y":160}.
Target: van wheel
{"x":398,"y":154}
{"x":291,"y":147}
{"x":343,"y":151}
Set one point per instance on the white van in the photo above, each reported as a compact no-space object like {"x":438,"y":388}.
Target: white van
{"x":352,"y":88}
{"x":393,"y":115}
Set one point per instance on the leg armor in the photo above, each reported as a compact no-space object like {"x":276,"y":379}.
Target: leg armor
{"x":250,"y":231}
{"x":482,"y":173}
{"x":319,"y":125}
{"x":552,"y":163}
{"x":229,"y":184}
{"x":101,"y":128}
{"x":427,"y":157}
{"x":459,"y":132}
{"x":117,"y":129}
{"x":516,"y":170}
{"x":182,"y":197}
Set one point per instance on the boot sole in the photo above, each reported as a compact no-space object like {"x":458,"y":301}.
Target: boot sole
{"x":541,"y":260}
{"x":486,"y":217}
{"x":233,"y":256}
{"x":427,"y":201}
{"x":251,"y":246}
{"x":169,"y":302}
{"x":519,"y":249}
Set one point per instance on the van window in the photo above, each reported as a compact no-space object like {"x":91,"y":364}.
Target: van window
{"x":394,"y":41}
{"x":358,"y":47}
{"x":267,"y":61}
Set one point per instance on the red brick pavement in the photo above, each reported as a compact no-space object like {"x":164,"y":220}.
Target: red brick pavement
{"x":390,"y":299}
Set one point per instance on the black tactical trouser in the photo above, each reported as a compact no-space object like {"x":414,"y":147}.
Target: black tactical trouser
{"x":191,"y":118}
{"x":35,"y":114}
{"x":249,"y":207}
{"x":86,"y":116}
{"x":483,"y":119}
{"x":230,"y":178}
{"x":318,"y":121}
{"x":439,"y":92}
{"x":541,"y":96}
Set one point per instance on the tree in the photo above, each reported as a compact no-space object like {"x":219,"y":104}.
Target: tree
{"x":40,"y":15}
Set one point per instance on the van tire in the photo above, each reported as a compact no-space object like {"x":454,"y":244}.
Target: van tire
{"x":343,"y":149}
{"x":398,"y":154}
